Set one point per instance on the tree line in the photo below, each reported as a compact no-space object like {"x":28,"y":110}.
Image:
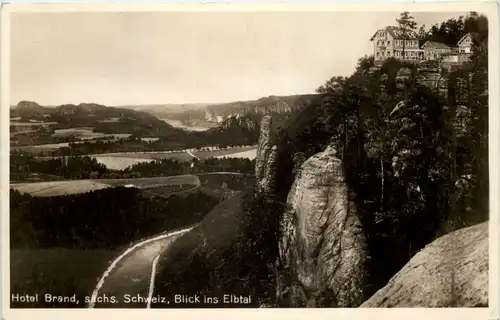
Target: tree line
{"x":86,"y":167}
{"x":107,"y":218}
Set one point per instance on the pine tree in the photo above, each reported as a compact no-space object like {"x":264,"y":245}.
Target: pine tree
{"x":407,"y":25}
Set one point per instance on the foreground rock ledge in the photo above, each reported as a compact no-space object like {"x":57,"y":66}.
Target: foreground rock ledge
{"x":452,"y":271}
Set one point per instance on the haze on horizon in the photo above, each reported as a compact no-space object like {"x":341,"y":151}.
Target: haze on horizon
{"x":140,"y":58}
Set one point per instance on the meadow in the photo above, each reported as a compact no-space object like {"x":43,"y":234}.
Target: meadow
{"x":40,"y":123}
{"x":143,"y":183}
{"x":86,"y":133}
{"x":58,"y":188}
{"x":169,"y":190}
{"x":122,"y":160}
{"x":249,"y":154}
{"x":119,"y":163}
{"x":229,"y":152}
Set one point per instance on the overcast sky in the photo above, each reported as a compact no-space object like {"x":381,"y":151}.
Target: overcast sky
{"x":156,"y":58}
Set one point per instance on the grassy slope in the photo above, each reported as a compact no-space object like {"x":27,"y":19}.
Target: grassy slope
{"x":57,"y":188}
{"x":190,"y":261}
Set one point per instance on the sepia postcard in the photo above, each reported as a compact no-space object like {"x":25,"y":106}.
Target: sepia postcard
{"x":206,"y":160}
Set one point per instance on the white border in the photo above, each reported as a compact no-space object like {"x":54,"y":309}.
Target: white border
{"x":489,"y":8}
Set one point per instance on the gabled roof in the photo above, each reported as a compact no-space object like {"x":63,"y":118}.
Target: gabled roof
{"x":463,"y":38}
{"x":437,"y":45}
{"x":397,"y":33}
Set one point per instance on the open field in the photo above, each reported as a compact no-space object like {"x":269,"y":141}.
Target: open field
{"x":223,"y":152}
{"x":143,"y":183}
{"x":249,"y":154}
{"x":86,"y":133}
{"x":112,"y":136}
{"x":15,"y":123}
{"x":58,"y":271}
{"x":121,"y":160}
{"x":180,"y":155}
{"x":24,"y":130}
{"x":147,"y":156}
{"x":54,"y":146}
{"x":33,"y":177}
{"x":119,"y":163}
{"x":36,"y":149}
{"x":169,"y":190}
{"x":110,"y":120}
{"x":150,"y":139}
{"x":58,"y":188}
{"x":47,"y":146}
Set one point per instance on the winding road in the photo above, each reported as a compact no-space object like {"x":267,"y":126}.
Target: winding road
{"x":132,"y":274}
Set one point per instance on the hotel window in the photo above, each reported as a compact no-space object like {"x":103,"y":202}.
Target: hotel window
{"x":388,"y":53}
{"x":388,"y":42}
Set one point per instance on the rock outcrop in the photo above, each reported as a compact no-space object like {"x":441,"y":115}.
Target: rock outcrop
{"x":323,"y":254}
{"x":452,"y":271}
{"x":265,"y":161}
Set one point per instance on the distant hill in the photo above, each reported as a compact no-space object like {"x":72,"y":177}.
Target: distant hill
{"x":206,"y":114}
{"x":103,"y":119}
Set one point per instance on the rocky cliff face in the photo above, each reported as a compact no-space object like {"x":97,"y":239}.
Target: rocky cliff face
{"x":243,"y":123}
{"x":452,"y":271}
{"x":262,"y":106}
{"x":431,"y":75}
{"x":323,"y":255}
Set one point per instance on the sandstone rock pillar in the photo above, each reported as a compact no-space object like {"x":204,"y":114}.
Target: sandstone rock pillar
{"x":322,"y":250}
